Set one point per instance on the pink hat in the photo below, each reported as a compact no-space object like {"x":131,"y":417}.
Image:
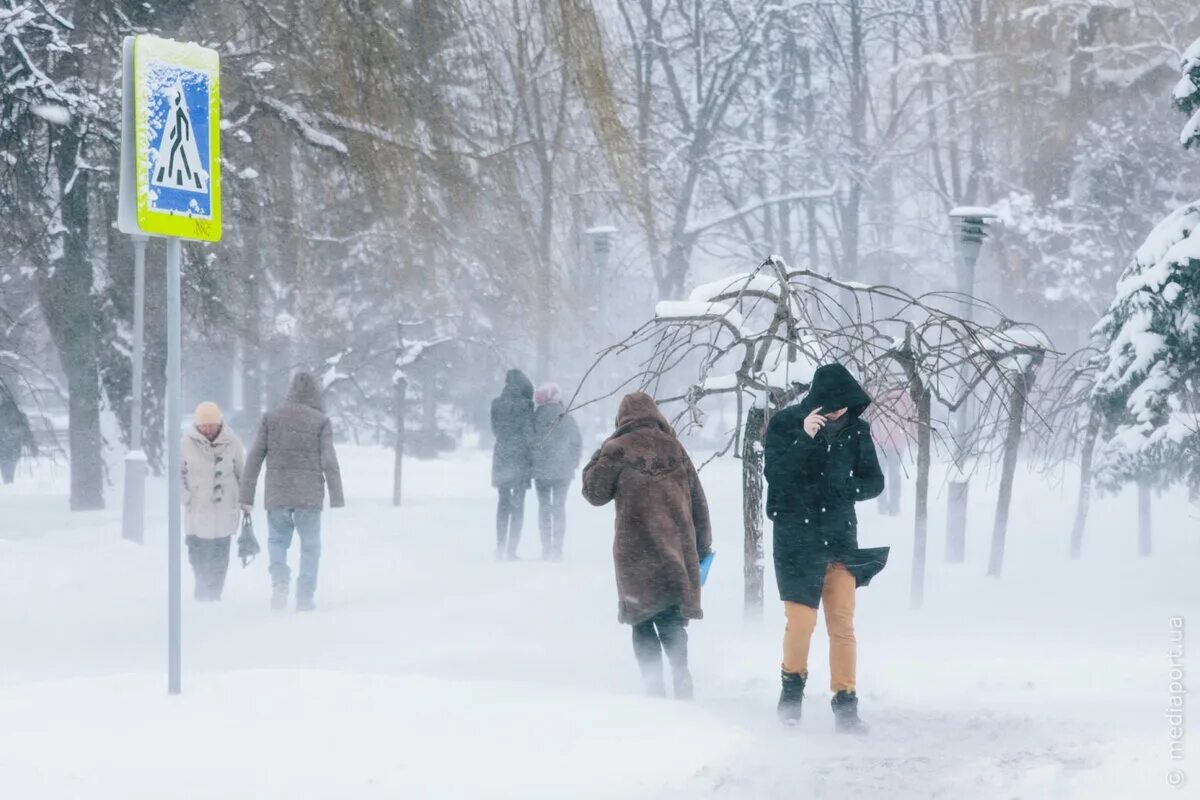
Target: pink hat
{"x":547,"y":393}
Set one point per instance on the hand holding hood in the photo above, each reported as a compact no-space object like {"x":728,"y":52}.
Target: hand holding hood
{"x":833,"y":387}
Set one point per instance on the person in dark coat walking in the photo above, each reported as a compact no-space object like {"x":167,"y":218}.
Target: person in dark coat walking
{"x":662,"y":533}
{"x":557,"y":448}
{"x":820,"y":461}
{"x":16,"y":435}
{"x":296,"y":442}
{"x":512,"y":459}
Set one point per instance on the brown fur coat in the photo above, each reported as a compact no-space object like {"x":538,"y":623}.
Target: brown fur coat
{"x":662,"y":524}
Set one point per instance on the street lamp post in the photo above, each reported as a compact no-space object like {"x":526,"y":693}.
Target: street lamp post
{"x":600,"y":240}
{"x":971,"y":225}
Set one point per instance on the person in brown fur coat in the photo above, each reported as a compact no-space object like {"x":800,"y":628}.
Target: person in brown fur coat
{"x":662,"y":533}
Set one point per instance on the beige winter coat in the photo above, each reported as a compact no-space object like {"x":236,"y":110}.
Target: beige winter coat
{"x":212,"y":472}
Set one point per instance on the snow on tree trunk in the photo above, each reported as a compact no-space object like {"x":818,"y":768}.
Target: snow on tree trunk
{"x":752,"y":514}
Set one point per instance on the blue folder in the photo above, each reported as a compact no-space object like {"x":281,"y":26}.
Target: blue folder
{"x":705,"y":564}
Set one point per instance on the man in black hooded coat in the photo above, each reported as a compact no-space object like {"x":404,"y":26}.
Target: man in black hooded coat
{"x":512,"y":459}
{"x":819,"y":462}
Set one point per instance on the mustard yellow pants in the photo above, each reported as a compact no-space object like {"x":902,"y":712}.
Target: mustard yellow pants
{"x":837,"y":597}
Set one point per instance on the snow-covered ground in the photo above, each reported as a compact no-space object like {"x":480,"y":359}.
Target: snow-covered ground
{"x":432,"y":671}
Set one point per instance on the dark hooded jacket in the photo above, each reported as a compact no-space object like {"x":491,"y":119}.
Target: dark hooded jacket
{"x":662,"y":524}
{"x":512,"y":425}
{"x":813,"y":484}
{"x":296,"y":442}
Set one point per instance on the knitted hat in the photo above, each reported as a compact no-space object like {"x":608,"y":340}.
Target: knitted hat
{"x":208,"y":414}
{"x":547,"y":393}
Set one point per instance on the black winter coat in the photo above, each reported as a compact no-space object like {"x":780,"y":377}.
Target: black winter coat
{"x":512,"y":425}
{"x":813,"y":484}
{"x":557,"y":445}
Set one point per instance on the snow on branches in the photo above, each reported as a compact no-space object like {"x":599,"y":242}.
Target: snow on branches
{"x":759,"y":336}
{"x":1187,"y":95}
{"x":1148,"y":385}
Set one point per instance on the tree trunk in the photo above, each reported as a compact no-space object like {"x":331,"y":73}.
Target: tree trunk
{"x":1085,"y":484}
{"x":1144,"y":517}
{"x":400,"y":409}
{"x":87,"y":446}
{"x":65,"y":295}
{"x":924,"y":404}
{"x":752,"y":505}
{"x":958,"y":495}
{"x":1022,"y":383}
{"x":429,"y":401}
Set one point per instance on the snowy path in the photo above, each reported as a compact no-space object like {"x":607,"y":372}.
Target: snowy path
{"x":431,"y":669}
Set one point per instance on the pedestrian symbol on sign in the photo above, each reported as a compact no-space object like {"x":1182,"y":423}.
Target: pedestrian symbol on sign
{"x":178,"y":164}
{"x":170,"y":139}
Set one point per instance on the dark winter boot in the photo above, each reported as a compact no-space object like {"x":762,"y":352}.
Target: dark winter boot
{"x":279,"y":597}
{"x":672,"y":632}
{"x":791,"y":697}
{"x":845,"y":712}
{"x":648,"y":651}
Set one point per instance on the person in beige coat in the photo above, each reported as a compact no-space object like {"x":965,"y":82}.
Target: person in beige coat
{"x":213,"y":458}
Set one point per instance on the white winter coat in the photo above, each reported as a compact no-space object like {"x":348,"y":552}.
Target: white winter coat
{"x":212,"y":472}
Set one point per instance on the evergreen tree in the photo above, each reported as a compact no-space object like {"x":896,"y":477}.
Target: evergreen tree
{"x":1148,"y":390}
{"x":1187,"y":95}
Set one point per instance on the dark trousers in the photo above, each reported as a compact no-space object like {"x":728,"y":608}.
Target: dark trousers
{"x":552,"y":515}
{"x":665,"y":631}
{"x":210,"y":564}
{"x":510,"y":517}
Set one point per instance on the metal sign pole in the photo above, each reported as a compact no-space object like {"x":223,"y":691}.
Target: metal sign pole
{"x":134,"y":511}
{"x":174,"y":425}
{"x":170,"y":186}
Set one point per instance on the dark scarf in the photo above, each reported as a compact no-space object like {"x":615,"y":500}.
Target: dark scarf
{"x":833,"y":427}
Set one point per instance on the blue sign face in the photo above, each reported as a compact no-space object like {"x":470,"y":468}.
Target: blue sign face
{"x":178,"y":111}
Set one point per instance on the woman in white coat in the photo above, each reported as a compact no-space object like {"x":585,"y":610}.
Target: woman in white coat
{"x":212,"y":470}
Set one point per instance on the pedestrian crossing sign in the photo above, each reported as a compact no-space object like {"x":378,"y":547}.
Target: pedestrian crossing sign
{"x":176,"y":105}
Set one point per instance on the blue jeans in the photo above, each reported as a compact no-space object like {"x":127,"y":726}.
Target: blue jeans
{"x":280,"y":524}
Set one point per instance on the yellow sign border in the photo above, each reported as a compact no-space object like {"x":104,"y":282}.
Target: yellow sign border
{"x":191,"y":56}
